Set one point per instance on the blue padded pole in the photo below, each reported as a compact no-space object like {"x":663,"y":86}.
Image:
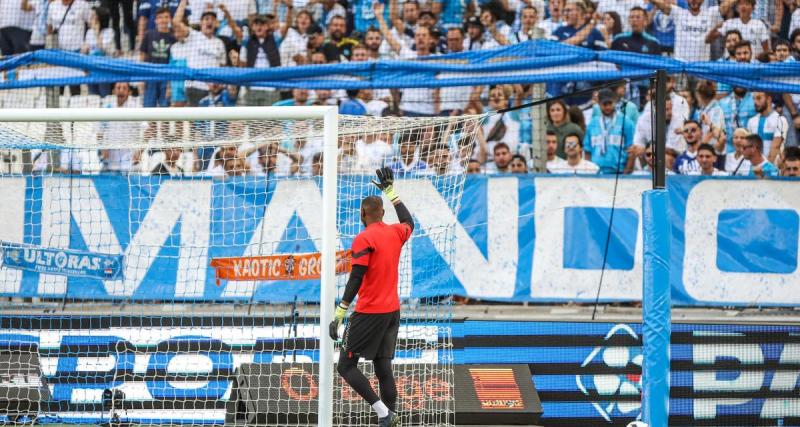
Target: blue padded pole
{"x":656,"y":308}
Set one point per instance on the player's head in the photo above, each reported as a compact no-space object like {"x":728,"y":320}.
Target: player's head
{"x":371,"y":210}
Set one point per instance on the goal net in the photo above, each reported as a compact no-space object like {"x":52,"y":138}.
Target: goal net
{"x":178,"y":253}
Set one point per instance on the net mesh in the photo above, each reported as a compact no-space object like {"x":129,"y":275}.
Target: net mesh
{"x":121,"y":223}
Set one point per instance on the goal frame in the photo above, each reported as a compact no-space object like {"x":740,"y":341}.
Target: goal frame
{"x":330,"y":117}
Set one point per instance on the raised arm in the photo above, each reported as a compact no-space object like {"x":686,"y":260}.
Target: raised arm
{"x":386,"y":183}
{"x":235,"y":28}
{"x":387,"y":34}
{"x":180,"y":12}
{"x":663,"y":5}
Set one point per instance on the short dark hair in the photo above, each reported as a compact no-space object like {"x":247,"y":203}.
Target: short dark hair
{"x":161,"y":10}
{"x":781,"y":42}
{"x":639,"y":9}
{"x":209,"y":13}
{"x":756,"y":140}
{"x":500,"y":145}
{"x":686,"y":122}
{"x":371,"y":205}
{"x":519,"y":157}
{"x":578,"y":137}
{"x":459,"y":29}
{"x":752,"y":2}
{"x":743,"y":43}
{"x":737,"y":32}
{"x":550,"y":133}
{"x":706,"y":147}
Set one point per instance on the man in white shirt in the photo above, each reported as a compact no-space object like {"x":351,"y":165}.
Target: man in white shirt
{"x":414,"y":102}
{"x":551,"y":145}
{"x":575,"y":164}
{"x":207,"y":51}
{"x":768,"y":124}
{"x":691,"y":28}
{"x":68,"y":19}
{"x":120,"y":160}
{"x":706,"y":158}
{"x":454,"y":98}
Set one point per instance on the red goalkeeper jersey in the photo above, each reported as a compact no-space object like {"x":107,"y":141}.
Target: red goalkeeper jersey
{"x":378,"y":248}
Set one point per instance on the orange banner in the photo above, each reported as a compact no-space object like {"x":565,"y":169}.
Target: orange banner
{"x":277,"y":267}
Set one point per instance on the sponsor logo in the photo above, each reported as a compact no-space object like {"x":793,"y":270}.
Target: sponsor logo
{"x":607,"y":389}
{"x":496,"y":388}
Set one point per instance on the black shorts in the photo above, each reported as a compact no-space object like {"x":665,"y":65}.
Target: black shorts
{"x":371,"y":336}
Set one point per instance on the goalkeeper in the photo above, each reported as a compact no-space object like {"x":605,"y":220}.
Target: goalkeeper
{"x":372,"y":330}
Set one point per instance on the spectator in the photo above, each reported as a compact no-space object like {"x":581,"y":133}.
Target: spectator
{"x":558,"y":121}
{"x":66,"y":20}
{"x":752,"y":30}
{"x":454,"y":98}
{"x":575,"y":164}
{"x":734,"y":162}
{"x":608,"y":136}
{"x":743,"y":52}
{"x":336,"y":36}
{"x":147,"y":16}
{"x":637,"y":40}
{"x":119,"y":160}
{"x":474,"y":167}
{"x":706,"y":159}
{"x":644,"y":129}
{"x":712,"y":117}
{"x":476,"y":37}
{"x":691,"y":27}
{"x":408,"y":162}
{"x":760,"y":166}
{"x":551,"y":24}
{"x":554,"y":161}
{"x":373,"y":41}
{"x":518,"y":164}
{"x":732,"y":39}
{"x":503,"y":127}
{"x":791,"y":166}
{"x":414,"y":102}
{"x":317,"y":164}
{"x":40,"y":11}
{"x":621,"y":7}
{"x":372,"y":152}
{"x":16,"y":25}
{"x":167,"y":163}
{"x":738,"y":108}
{"x":294,"y":47}
{"x":610,"y":27}
{"x":204,"y":50}
{"x":260,"y":51}
{"x":155,"y":49}
{"x":356,"y":105}
{"x":576,"y":31}
{"x":114,"y":6}
{"x":300,"y":97}
{"x":99,"y":41}
{"x":501,"y":158}
{"x":497,"y":31}
{"x":529,"y":18}
{"x":405,"y":26}
{"x":326,"y":10}
{"x":768,"y":125}
{"x":440,"y":163}
{"x":686,"y":163}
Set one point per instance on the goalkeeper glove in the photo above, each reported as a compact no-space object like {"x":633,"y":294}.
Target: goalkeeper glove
{"x":385,"y":183}
{"x":338,"y":318}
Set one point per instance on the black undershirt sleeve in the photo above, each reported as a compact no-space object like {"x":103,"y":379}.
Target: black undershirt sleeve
{"x":403,"y":215}
{"x":354,"y":283}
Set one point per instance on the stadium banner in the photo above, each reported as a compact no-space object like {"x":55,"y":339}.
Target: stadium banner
{"x":61,"y":261}
{"x":516,"y":238}
{"x":586,"y":373}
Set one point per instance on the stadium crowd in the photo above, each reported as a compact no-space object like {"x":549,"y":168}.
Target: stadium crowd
{"x":713,"y":129}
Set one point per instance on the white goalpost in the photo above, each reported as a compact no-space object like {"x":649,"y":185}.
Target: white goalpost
{"x":214,"y":237}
